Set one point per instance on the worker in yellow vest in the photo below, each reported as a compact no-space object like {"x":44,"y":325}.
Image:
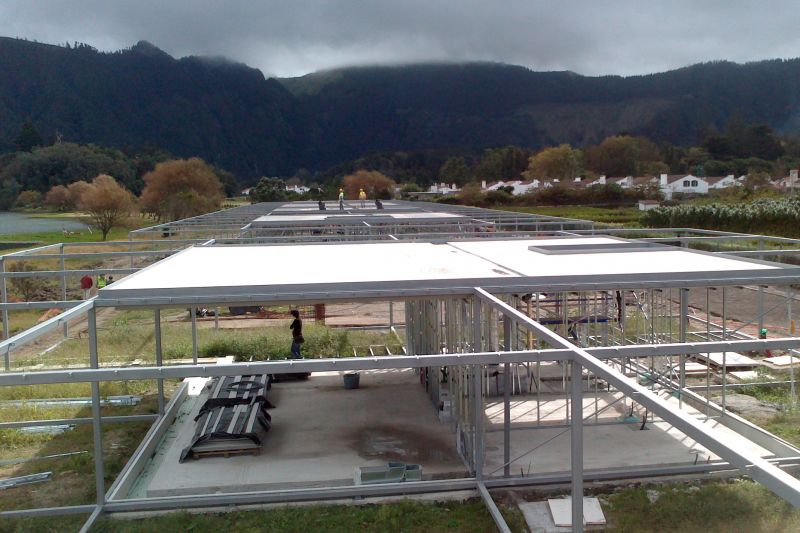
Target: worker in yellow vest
{"x":363,"y":197}
{"x":341,"y":199}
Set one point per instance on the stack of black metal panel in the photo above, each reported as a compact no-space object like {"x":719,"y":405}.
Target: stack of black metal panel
{"x":233,"y":419}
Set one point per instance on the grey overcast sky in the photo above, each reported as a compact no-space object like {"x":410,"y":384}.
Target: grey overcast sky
{"x":294,"y":37}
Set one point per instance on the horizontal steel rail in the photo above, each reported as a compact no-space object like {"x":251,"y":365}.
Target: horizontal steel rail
{"x":82,"y":420}
{"x":61,"y":273}
{"x":79,"y":375}
{"x":38,"y":330}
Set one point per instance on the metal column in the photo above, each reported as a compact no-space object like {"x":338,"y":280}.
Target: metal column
{"x":64,"y":286}
{"x":4,"y":299}
{"x":576,"y":445}
{"x":193,"y":312}
{"x":684,"y":300}
{"x":507,"y":399}
{"x":159,"y":361}
{"x":477,"y":392}
{"x":790,"y":327}
{"x":99,"y":476}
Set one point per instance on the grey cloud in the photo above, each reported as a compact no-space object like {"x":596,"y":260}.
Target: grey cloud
{"x":295,"y":37}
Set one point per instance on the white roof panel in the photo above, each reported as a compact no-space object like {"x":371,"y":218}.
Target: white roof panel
{"x":516,"y":256}
{"x":217,"y":274}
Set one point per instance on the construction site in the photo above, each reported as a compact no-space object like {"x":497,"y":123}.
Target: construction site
{"x":446,"y":348}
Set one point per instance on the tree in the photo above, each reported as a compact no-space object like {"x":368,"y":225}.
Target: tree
{"x":229,"y":183}
{"x":76,"y":190}
{"x":562,"y":163}
{"x":29,"y":199}
{"x":28,"y":138}
{"x":9,"y":190}
{"x":622,"y":155}
{"x":28,"y":288}
{"x":756,"y":180}
{"x":57,"y":198}
{"x":375,"y":184}
{"x":454,"y":170}
{"x":64,"y":163}
{"x":269,"y":190}
{"x":181,"y":188}
{"x":107,"y":202}
{"x":471,"y":194}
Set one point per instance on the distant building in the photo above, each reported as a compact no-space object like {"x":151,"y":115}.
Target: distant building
{"x":443,"y":189}
{"x":518,"y":186}
{"x":299,"y":189}
{"x":647,"y":205}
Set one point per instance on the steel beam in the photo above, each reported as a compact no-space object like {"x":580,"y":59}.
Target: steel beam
{"x":4,"y":300}
{"x":97,"y":434}
{"x":193,"y":312}
{"x":159,"y":360}
{"x":48,"y":325}
{"x":497,"y":516}
{"x":507,"y":399}
{"x":380,"y":362}
{"x":576,"y":444}
{"x":82,"y":420}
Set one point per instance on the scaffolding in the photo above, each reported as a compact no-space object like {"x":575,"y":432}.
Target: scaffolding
{"x":573,"y":349}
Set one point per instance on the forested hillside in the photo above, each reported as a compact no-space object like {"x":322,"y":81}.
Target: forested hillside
{"x":225,"y":112}
{"x":233,"y":117}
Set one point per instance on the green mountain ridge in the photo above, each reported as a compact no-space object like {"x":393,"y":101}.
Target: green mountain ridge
{"x":234,"y":117}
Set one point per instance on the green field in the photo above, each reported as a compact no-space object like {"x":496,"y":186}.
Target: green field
{"x":627,"y":216}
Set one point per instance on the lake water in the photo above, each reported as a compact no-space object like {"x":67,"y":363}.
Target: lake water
{"x":25,"y":223}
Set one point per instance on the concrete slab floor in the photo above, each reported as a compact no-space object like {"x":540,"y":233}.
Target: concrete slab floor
{"x":536,"y":450}
{"x":320,"y":434}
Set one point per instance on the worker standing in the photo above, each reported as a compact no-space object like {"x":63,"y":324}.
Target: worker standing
{"x":341,"y":199}
{"x":101,"y":281}
{"x":297,"y":334}
{"x":86,"y":286}
{"x":363,"y":197}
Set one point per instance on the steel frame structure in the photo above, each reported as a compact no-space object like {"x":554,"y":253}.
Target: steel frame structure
{"x":222,"y":229}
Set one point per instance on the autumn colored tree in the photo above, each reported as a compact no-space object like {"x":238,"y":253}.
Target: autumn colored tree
{"x":375,"y":184}
{"x":29,"y":199}
{"x":561,"y":163}
{"x":181,"y":188}
{"x":107,"y":202}
{"x":76,"y":190}
{"x":57,"y":198}
{"x":471,"y":194}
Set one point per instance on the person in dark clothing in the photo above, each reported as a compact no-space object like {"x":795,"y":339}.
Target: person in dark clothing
{"x":297,"y":334}
{"x":321,"y":205}
{"x":378,"y":203}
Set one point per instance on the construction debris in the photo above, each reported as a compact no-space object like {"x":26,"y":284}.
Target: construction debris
{"x":24,"y":480}
{"x":67,"y":402}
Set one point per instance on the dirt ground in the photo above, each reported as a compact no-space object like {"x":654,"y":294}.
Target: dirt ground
{"x":741,"y":307}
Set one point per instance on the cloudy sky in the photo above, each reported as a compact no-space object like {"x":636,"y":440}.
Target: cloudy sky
{"x":294,"y":37}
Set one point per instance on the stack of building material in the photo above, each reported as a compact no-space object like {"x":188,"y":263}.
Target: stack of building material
{"x":233,"y":420}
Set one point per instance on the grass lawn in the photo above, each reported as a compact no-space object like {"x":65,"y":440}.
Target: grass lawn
{"x":627,"y":216}
{"x":129,"y":335}
{"x":467,"y":517}
{"x":719,"y":507}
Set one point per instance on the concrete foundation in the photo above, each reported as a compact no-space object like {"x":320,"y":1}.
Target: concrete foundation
{"x":321,"y":433}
